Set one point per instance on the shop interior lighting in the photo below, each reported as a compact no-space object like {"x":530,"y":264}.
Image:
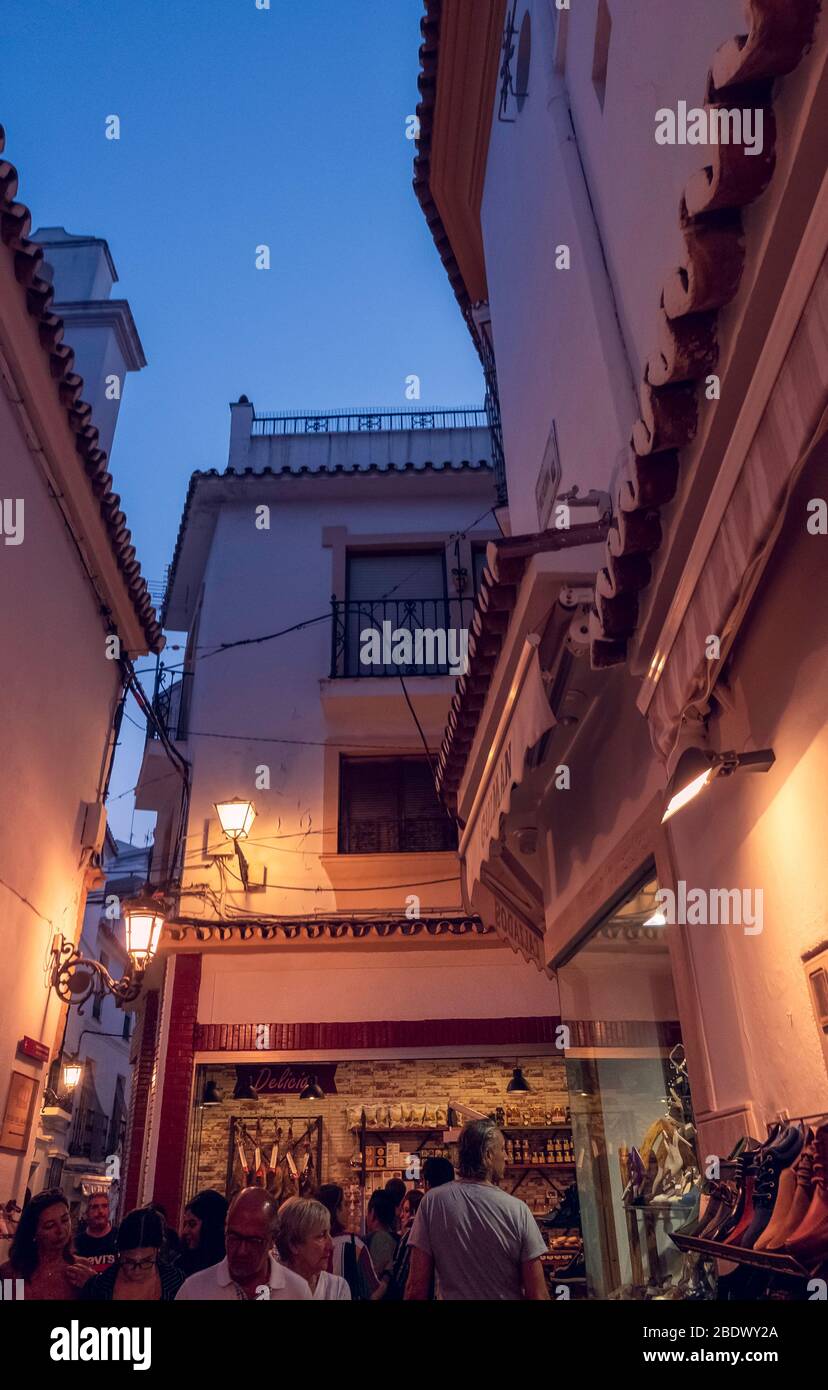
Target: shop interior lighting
{"x":313,"y":1091}
{"x":518,"y":1082}
{"x":698,"y":767}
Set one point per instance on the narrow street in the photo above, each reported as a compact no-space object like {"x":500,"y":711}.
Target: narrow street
{"x":414,"y":881}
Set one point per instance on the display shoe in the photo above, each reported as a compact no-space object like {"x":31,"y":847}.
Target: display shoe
{"x":711,"y":1208}
{"x":743,"y":1218}
{"x":782,"y":1205}
{"x":800,"y":1202}
{"x":765,"y":1191}
{"x":808,"y":1243}
{"x":722,"y":1216}
{"x":744,"y":1188}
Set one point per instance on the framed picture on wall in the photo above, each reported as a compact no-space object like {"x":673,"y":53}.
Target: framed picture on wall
{"x":17,"y":1116}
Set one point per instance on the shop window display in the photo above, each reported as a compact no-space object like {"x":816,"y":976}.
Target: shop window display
{"x":637,"y":1171}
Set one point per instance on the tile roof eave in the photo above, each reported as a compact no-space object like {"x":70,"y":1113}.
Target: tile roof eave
{"x":425,"y":111}
{"x":743,"y":72}
{"x":15,"y":225}
{"x":339,"y":470}
{"x":506,"y":562}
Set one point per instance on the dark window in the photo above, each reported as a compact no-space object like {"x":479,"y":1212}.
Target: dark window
{"x":391,"y":594}
{"x":478,"y":564}
{"x":600,"y":57}
{"x":390,"y":806}
{"x":117,"y":1118}
{"x":524,"y":56}
{"x":126,"y":1028}
{"x":97,"y":1002}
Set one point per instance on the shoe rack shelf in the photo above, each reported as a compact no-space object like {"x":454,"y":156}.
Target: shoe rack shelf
{"x":736,"y":1254}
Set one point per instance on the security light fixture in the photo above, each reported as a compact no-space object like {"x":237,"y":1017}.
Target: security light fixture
{"x":518,"y":1082}
{"x":697,"y":768}
{"x":76,"y":978}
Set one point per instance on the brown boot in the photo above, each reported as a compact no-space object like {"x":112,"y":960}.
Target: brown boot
{"x":808,"y":1243}
{"x":781,"y":1208}
{"x":800,"y":1203}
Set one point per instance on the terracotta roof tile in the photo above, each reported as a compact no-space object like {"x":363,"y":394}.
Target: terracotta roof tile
{"x":15,"y":225}
{"x":710,"y":221}
{"x":506,"y":561}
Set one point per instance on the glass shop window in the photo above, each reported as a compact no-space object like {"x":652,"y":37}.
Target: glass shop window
{"x":637,"y":1168}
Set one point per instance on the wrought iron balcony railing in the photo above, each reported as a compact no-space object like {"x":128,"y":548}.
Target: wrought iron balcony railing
{"x":89,"y":1134}
{"x":171,"y":704}
{"x":370,"y":420}
{"x":400,"y":637}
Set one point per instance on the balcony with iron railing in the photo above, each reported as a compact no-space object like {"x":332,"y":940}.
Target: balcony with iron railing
{"x":399,"y":637}
{"x":89,"y":1135}
{"x":171,"y":704}
{"x":369,"y":420}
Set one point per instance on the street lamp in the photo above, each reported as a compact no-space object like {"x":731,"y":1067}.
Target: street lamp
{"x":75,"y":978}
{"x":698,"y":767}
{"x":72,"y":1072}
{"x":144,"y":919}
{"x":236,"y":818}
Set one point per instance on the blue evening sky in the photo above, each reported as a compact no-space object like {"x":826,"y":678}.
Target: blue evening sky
{"x":239,"y":126}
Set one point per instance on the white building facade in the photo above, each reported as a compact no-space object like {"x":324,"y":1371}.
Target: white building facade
{"x":74,"y":604}
{"x":349,"y":945}
{"x":653,"y":312}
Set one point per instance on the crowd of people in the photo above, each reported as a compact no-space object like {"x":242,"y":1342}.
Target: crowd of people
{"x":459,"y":1238}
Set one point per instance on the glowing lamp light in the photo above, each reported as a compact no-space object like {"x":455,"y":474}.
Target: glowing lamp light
{"x":144,"y":921}
{"x":236,"y":817}
{"x":698,"y":767}
{"x":72,"y":1072}
{"x":657,"y":920}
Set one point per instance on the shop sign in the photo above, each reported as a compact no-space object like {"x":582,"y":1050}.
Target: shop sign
{"x":287,"y":1080}
{"x":14,"y":1133}
{"x":30,"y":1047}
{"x":508,"y":921}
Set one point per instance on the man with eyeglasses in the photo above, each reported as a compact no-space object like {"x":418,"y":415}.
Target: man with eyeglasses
{"x":249,"y":1270}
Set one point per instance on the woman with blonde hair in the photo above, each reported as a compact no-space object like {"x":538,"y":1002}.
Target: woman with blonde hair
{"x":303,"y":1240}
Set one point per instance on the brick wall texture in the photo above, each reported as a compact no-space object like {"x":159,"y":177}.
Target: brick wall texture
{"x":480,"y":1083}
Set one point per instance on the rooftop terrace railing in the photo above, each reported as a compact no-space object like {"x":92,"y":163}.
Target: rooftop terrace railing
{"x":370,"y":420}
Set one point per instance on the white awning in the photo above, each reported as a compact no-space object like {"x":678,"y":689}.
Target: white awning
{"x":525,"y":719}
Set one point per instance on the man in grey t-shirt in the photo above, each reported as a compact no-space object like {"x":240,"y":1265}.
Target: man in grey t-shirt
{"x":481,"y":1242}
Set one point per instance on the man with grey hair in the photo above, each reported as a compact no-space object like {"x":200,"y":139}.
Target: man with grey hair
{"x":482,"y":1243}
{"x":250,"y":1269}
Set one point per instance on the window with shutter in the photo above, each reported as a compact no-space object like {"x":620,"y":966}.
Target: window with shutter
{"x":404,"y":589}
{"x":390,"y":806}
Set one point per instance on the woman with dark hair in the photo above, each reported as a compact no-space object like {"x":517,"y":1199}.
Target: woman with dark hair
{"x":139,"y":1273}
{"x":350,"y":1259}
{"x":202,"y":1231}
{"x":41,"y":1251}
{"x":396,"y":1277}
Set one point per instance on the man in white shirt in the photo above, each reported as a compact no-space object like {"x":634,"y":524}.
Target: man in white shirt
{"x":249,"y":1270}
{"x":482,"y":1243}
